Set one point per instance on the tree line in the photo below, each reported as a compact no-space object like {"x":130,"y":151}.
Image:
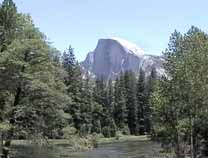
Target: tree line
{"x":106,"y":106}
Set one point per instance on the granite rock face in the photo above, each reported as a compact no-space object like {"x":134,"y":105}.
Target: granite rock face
{"x":114,"y":55}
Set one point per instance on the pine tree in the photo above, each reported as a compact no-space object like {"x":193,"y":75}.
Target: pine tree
{"x":69,"y":64}
{"x":100,"y":91}
{"x":73,"y":82}
{"x":141,"y":101}
{"x":131,"y":101}
{"x":147,"y":106}
{"x":108,"y":123}
{"x":96,"y":118}
{"x":87,"y":106}
{"x":120,"y":110}
{"x":110,"y":98}
{"x":8,"y":23}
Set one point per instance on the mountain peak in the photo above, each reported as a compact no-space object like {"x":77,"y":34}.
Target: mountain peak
{"x":128,"y":46}
{"x":115,"y":55}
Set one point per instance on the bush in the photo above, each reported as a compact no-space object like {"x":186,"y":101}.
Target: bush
{"x":125,"y":130}
{"x":118,"y":135}
{"x":106,"y":131}
{"x":69,"y":131}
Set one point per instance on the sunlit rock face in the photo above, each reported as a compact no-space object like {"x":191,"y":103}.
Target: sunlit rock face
{"x":114,"y":55}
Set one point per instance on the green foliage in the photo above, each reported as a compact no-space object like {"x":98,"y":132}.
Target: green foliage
{"x":5,"y":126}
{"x":69,"y":132}
{"x":8,"y":23}
{"x":180,"y":100}
{"x":141,"y":101}
{"x":33,"y":91}
{"x":131,"y":101}
{"x":45,"y":95}
{"x":120,"y":110}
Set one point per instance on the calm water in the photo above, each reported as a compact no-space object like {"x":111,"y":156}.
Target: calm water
{"x":114,"y":150}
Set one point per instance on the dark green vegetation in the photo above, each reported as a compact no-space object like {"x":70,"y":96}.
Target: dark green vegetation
{"x":180,"y":108}
{"x":43,"y":94}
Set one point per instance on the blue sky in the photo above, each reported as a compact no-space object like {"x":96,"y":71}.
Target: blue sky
{"x":148,"y":23}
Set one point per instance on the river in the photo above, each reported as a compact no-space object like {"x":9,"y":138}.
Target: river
{"x":133,"y":149}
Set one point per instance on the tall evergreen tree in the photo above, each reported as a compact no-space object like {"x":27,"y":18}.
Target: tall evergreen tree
{"x":120,"y":110}
{"x":8,"y":23}
{"x":69,"y":63}
{"x":131,"y":101}
{"x":110,"y":98}
{"x":147,"y":106}
{"x":87,"y":106}
{"x":141,"y":101}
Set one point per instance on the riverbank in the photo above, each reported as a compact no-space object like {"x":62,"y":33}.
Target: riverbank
{"x":72,"y":144}
{"x":122,"y":147}
{"x":75,"y":144}
{"x":67,"y":147}
{"x":100,"y":140}
{"x":123,"y":138}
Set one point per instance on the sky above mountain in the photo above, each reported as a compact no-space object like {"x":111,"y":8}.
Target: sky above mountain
{"x":148,"y":23}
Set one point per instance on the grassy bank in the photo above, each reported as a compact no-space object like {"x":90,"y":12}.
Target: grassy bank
{"x":73,"y":144}
{"x":84,"y":141}
{"x":123,"y":138}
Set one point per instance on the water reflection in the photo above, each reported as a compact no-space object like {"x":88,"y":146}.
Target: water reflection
{"x":114,"y":150}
